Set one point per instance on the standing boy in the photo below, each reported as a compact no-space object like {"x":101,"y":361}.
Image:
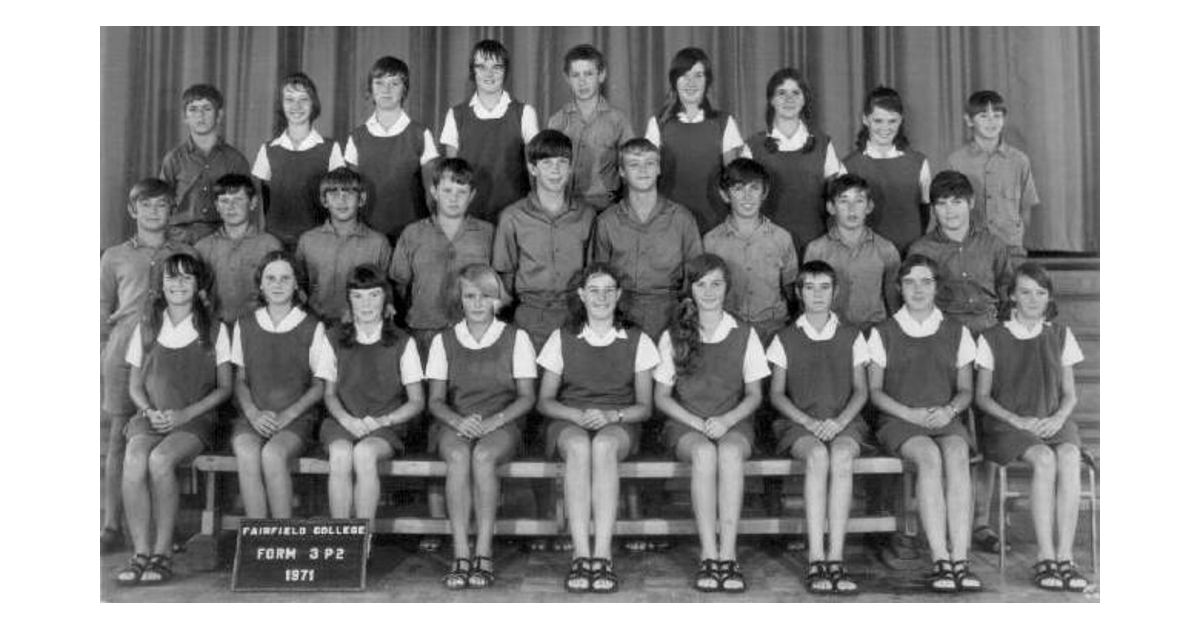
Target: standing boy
{"x":192,"y":167}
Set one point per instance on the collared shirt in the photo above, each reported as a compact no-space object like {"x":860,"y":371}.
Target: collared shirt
{"x":524,"y":358}
{"x":796,"y":142}
{"x":762,"y":263}
{"x":529,"y":127}
{"x":316,"y":349}
{"x":892,"y":152}
{"x":731,"y":139}
{"x":329,"y":257}
{"x":1071,"y":352}
{"x":262,"y":167}
{"x":754,"y":361}
{"x":233,"y":263}
{"x":426,"y":262}
{"x":975,"y":273}
{"x":177,"y":336}
{"x":866,"y":274}
{"x":859,"y":353}
{"x":375,"y":128}
{"x":192,"y":172}
{"x":927,"y":328}
{"x":126,"y":271}
{"x":551,"y":356}
{"x":540,"y":251}
{"x":410,"y":360}
{"x":594,"y":143}
{"x":650,"y":253}
{"x":1004,"y":190}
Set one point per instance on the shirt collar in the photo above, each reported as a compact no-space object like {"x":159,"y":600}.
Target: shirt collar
{"x":913,"y":328}
{"x":367,"y":338}
{"x":730,"y":226}
{"x":825,"y":334}
{"x":835,"y":234}
{"x":375,"y":128}
{"x":724,"y":327}
{"x":251,"y":230}
{"x":535,"y":207}
{"x":290,"y":321}
{"x":976,"y":150}
{"x":137,"y":243}
{"x":973,"y":230}
{"x":794,"y":143}
{"x":463,"y":334}
{"x":596,"y":339}
{"x":683,"y":117}
{"x":360,"y":228}
{"x":190,"y":144}
{"x":891,"y":152}
{"x":311,"y":140}
{"x":497,"y":112}
{"x":1021,"y":332}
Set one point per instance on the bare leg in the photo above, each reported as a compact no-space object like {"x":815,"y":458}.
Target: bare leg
{"x":367,"y":455}
{"x":931,"y":500}
{"x":732,"y":450}
{"x":248,"y":449}
{"x":575,"y":445}
{"x":697,"y":449}
{"x":456,"y":452}
{"x":1041,"y":497}
{"x":1068,"y":498}
{"x":609,"y":447}
{"x":490,"y":451}
{"x":341,"y":480}
{"x":113,"y":478}
{"x":164,"y":459}
{"x":984,"y":475}
{"x":816,"y":470}
{"x":136,"y":490}
{"x":956,"y":462}
{"x":841,"y":488}
{"x":277,"y":456}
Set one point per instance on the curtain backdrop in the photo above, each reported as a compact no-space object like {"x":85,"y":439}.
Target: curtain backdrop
{"x":1049,"y":77}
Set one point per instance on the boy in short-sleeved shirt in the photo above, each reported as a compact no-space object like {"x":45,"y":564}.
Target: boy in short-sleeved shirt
{"x":235,"y":250}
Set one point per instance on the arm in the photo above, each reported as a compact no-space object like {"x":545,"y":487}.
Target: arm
{"x":666,"y":403}
{"x":174,"y":418}
{"x":506,"y":252}
{"x":719,"y":425}
{"x":1066,"y":403}
{"x":642,"y":405}
{"x":964,"y":391}
{"x":548,"y":404}
{"x":407,"y":411}
{"x":858,"y":399}
{"x":336,"y":409}
{"x":517,"y":408}
{"x":302,"y":404}
{"x":108,"y":295}
{"x":988,"y":405}
{"x":886,"y":403}
{"x":262,"y":422}
{"x":784,"y":405}
{"x":890,"y":288}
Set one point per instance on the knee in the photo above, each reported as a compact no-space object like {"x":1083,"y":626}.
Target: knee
{"x":926,"y":456}
{"x":247,"y":448}
{"x":366,"y":460}
{"x":340,"y":457}
{"x":161,"y":465}
{"x":458,"y":457}
{"x":730,"y":455}
{"x":483,"y":458}
{"x":274,"y":458}
{"x":1042,"y":459}
{"x":605,"y":447}
{"x":816,"y":459}
{"x":1069,"y":457}
{"x":955,"y":452}
{"x":842,"y":456}
{"x":704,"y":457}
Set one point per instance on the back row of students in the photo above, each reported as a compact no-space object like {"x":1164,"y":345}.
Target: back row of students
{"x":395,"y":154}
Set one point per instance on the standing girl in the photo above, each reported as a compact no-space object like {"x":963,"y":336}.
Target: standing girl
{"x":277,"y":350}
{"x":596,"y":389}
{"x":920,"y":380}
{"x":899,"y":176}
{"x":708,"y":387}
{"x":291,"y":165}
{"x":372,"y":390}
{"x":179,"y":358}
{"x":696,"y":139}
{"x":798,"y":158}
{"x":481,"y":374}
{"x":1026,"y":390}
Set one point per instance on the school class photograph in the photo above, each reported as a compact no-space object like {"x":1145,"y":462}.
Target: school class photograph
{"x":637,"y":314}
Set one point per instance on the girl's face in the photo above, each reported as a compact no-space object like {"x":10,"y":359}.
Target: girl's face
{"x":882,"y":125}
{"x":816,"y":293}
{"x":367,"y":305}
{"x":297,"y":105}
{"x":387,"y":92}
{"x":918,"y":289}
{"x":478,"y":307}
{"x":179,"y":288}
{"x":278,"y":283}
{"x":1030,"y":298}
{"x":600,"y":295}
{"x":709,"y":291}
{"x":788,"y":100}
{"x":489,"y":74}
{"x":692,"y":85}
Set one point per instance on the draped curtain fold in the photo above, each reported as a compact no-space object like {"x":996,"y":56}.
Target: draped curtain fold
{"x":1049,"y":77}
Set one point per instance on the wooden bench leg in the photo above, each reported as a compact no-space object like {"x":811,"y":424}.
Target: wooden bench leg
{"x":633,"y":503}
{"x":202,"y":549}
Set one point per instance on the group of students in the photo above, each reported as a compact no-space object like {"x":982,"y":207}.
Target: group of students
{"x":642,"y":276}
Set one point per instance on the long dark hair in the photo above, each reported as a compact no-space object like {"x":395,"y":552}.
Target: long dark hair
{"x":887,"y":99}
{"x":1038,"y":274}
{"x":578,"y":316}
{"x":202,"y":318}
{"x":683,"y":62}
{"x":368,"y":277}
{"x":300,"y":296}
{"x":806,"y":110}
{"x":302,"y":81}
{"x":685,"y":322}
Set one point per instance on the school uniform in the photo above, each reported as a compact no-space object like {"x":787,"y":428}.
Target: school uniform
{"x":493,"y":141}
{"x":716,"y":381}
{"x":481,"y":375}
{"x":866,"y":275}
{"x":597,"y":372}
{"x":390,"y":160}
{"x":762,"y":265}
{"x":651,"y":254}
{"x":371,"y":381}
{"x":899,"y":187}
{"x":280,"y":363}
{"x":293,"y":172}
{"x":595,"y":163}
{"x":1026,"y":369}
{"x":178,"y":370}
{"x":692,"y":158}
{"x":921,"y":362}
{"x":975,"y":273}
{"x":233,"y":263}
{"x":192,"y":173}
{"x":329,"y":257}
{"x":798,"y":165}
{"x":1004,"y":190}
{"x":820,"y":365}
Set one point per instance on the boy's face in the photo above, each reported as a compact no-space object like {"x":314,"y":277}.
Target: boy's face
{"x":585,"y":80}
{"x":234,"y":207}
{"x":387,"y":92}
{"x":640,"y":170}
{"x":816,"y":292}
{"x":489,"y":74}
{"x":987,"y":124}
{"x":745,"y":198}
{"x":882,"y":125}
{"x":201,"y":117}
{"x":850,"y":208}
{"x":953,"y":213}
{"x":451,"y":197}
{"x":551,"y":174}
{"x":342,"y":203}
{"x":152,"y":213}
{"x":297,"y":105}
{"x":918,"y":289}
{"x":367,"y":305}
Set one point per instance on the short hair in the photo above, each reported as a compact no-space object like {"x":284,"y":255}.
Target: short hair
{"x":918,"y":260}
{"x":203,"y":91}
{"x":150,"y":188}
{"x":457,"y":169}
{"x":1038,"y":274}
{"x":744,"y":171}
{"x":300,"y":297}
{"x":342,"y":177}
{"x":950,"y":184}
{"x":816,"y":268}
{"x":296,"y":80}
{"x":488,"y":49}
{"x":637,"y":145}
{"x":483,"y":276}
{"x":839,"y":184}
{"x":776,"y":80}
{"x":980,"y":101}
{"x":548,"y":143}
{"x":583,"y":52}
{"x":230,"y":183}
{"x":368,"y":277}
{"x":887,"y":99}
{"x":389,"y":66}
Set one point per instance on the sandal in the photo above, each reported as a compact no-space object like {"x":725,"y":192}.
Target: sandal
{"x":941,"y":579}
{"x":967,"y":582}
{"x":985,"y":539}
{"x":158,"y":570}
{"x":111,"y":539}
{"x":131,"y":575}
{"x":456,"y":578}
{"x":1072,"y":579}
{"x":816,"y":581}
{"x":579,"y":578}
{"x":604,"y":580}
{"x":480,"y":577}
{"x":1046,"y":576}
{"x":732,"y":579}
{"x":708,"y":576}
{"x":842,"y":585}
